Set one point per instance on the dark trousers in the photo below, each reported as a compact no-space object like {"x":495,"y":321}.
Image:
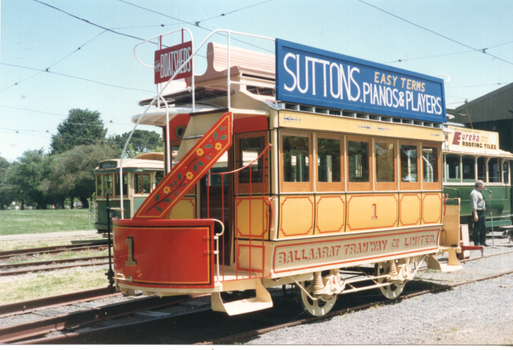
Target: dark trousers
{"x":479,"y":231}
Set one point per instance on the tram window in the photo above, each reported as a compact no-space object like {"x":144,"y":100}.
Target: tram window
{"x":108,"y":185}
{"x":494,"y":170}
{"x":249,"y":150}
{"x":295,"y":159}
{"x":452,"y":167}
{"x":505,"y":168}
{"x":99,"y":185}
{"x":159,"y":175}
{"x":125,"y":185}
{"x":215,"y":180}
{"x":481,"y":168}
{"x":385,"y":170}
{"x":409,"y":171}
{"x":469,"y":170}
{"x":430,"y":161}
{"x":358,"y":153}
{"x":142,"y":183}
{"x":328,"y":162}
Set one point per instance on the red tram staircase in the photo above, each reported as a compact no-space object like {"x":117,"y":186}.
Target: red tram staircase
{"x":164,"y":256}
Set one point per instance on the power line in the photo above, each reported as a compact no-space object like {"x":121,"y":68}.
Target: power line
{"x":433,"y":56}
{"x":88,"y":22}
{"x":438,"y":34}
{"x":229,"y":13}
{"x":195,"y":24}
{"x":59,"y":61}
{"x":74,"y":77}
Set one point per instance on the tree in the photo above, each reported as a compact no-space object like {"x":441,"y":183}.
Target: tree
{"x":81,"y":127}
{"x":24,"y":177}
{"x":142,"y":141}
{"x":73,"y":171}
{"x":5,"y":195}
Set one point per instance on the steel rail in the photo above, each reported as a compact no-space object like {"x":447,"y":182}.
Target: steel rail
{"x":31,"y":329}
{"x":6,"y":255}
{"x":51,"y":268}
{"x":49,"y":262}
{"x":256,"y":332}
{"x":28,"y":306}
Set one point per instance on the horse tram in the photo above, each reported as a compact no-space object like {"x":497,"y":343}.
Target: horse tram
{"x":471,"y":155}
{"x":140,"y":176}
{"x":333,"y":181}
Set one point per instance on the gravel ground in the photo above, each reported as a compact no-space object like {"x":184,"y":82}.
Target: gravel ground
{"x":477,"y":313}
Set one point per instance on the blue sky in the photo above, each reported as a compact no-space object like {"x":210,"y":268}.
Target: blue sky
{"x":433,"y":37}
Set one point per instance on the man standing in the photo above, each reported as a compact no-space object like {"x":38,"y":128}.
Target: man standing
{"x":478,"y":209}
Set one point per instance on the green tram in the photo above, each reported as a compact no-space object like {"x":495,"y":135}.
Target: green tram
{"x":140,"y":176}
{"x":471,"y":155}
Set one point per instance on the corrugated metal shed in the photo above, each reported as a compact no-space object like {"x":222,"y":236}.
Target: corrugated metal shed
{"x":494,"y":106}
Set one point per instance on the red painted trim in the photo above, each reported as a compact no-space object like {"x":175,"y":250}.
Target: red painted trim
{"x":346,"y":239}
{"x":420,"y":208}
{"x":250,"y":124}
{"x":317,"y":214}
{"x":179,"y":119}
{"x":371,"y":227}
{"x":266,"y":214}
{"x":423,"y":207}
{"x":282,"y":215}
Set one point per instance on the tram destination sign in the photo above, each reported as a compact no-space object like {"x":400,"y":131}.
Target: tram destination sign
{"x":310,"y":76}
{"x":168,"y":60}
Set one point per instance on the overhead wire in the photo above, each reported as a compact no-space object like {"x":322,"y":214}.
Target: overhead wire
{"x":195,"y":24}
{"x":59,"y":61}
{"x":435,"y":33}
{"x":74,"y":77}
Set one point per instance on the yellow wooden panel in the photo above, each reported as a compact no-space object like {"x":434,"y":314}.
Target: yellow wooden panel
{"x":308,"y":121}
{"x":331,"y":214}
{"x":296,"y":216}
{"x":431,"y":208}
{"x":185,"y":209}
{"x":371,"y":211}
{"x":244,"y":218}
{"x":410,"y":209}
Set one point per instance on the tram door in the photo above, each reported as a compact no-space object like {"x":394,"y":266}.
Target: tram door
{"x":217,"y":200}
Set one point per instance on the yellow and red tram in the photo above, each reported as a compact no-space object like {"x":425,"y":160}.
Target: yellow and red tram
{"x":310,"y":189}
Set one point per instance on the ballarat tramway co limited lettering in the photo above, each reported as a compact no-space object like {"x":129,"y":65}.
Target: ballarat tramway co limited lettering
{"x":330,"y":252}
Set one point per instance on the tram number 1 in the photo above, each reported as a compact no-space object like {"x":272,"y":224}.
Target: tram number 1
{"x":130,"y":261}
{"x":374,"y":216}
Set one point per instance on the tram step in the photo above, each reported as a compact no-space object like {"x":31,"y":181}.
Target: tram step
{"x":262,"y":301}
{"x":452,"y":265}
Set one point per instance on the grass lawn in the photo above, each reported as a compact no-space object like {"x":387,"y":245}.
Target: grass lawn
{"x":39,"y":285}
{"x":14,"y":222}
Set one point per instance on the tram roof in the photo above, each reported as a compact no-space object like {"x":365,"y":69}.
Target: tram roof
{"x":129,"y":165}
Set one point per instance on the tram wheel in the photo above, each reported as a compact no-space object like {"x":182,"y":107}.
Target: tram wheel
{"x":315,"y":307}
{"x":392,"y":291}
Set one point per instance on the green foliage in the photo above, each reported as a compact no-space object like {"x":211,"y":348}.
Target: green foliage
{"x":5,"y":196}
{"x":142,"y":141}
{"x":73,"y":171}
{"x":81,"y":127}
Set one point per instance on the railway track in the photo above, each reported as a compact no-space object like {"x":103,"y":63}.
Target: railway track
{"x":50,"y":265}
{"x":9,"y":255}
{"x":216,"y":328}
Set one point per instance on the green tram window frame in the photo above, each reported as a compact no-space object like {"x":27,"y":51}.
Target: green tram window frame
{"x":304,"y":140}
{"x":481,"y":169}
{"x":125,"y":185}
{"x":99,"y":185}
{"x":139,"y":183}
{"x":505,"y":171}
{"x":452,"y":168}
{"x":469,"y":176}
{"x":497,"y":178}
